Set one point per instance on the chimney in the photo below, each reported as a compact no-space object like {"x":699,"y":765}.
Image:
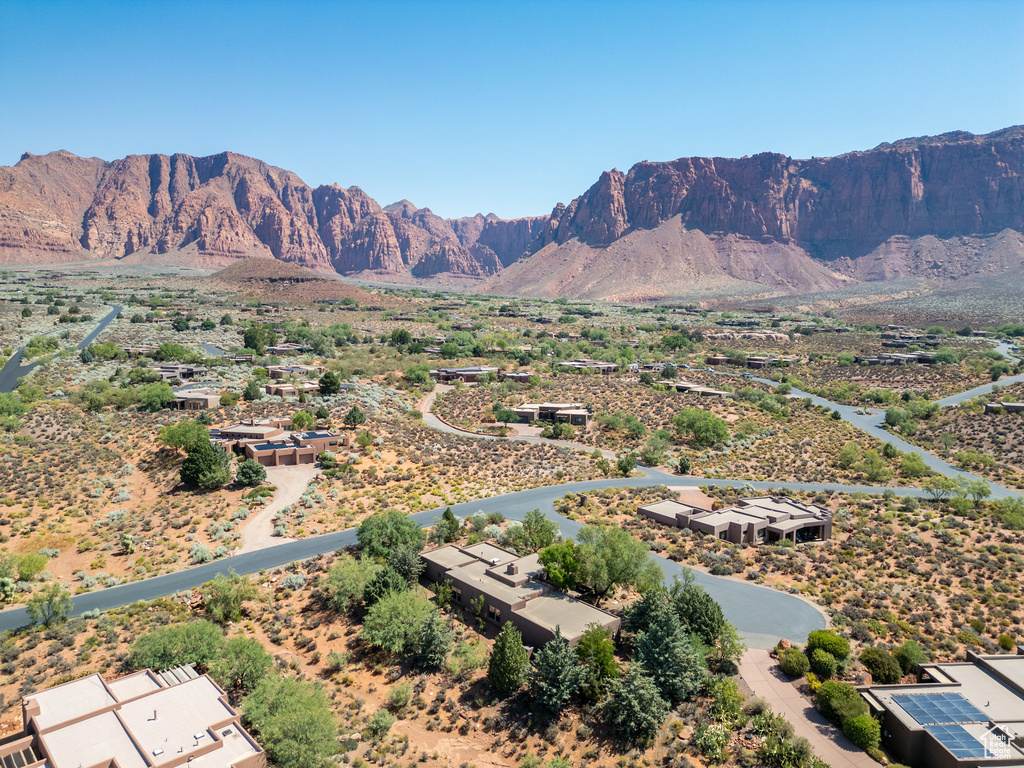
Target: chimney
{"x":512,"y":569}
{"x":154,"y":714}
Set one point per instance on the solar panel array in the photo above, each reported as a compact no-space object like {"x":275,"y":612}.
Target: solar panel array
{"x":958,"y":741}
{"x":940,"y":708}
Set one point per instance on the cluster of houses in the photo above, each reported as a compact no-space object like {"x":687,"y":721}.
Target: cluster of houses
{"x":750,"y":521}
{"x":695,"y":389}
{"x":755,"y":361}
{"x":272,"y":443}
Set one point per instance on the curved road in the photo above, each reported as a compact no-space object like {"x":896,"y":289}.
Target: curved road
{"x":14,"y":370}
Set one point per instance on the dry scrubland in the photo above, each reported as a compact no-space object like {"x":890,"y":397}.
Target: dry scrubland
{"x":895,"y":569}
{"x":787,"y":446}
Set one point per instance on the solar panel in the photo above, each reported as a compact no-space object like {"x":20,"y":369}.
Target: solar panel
{"x":939,"y":708}
{"x":958,"y":741}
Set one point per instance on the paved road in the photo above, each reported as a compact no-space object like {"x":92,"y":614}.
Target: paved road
{"x":984,"y":389}
{"x":761,"y":614}
{"x":14,"y":370}
{"x":212,"y":350}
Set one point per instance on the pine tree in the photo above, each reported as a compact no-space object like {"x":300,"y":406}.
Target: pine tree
{"x":697,"y":610}
{"x":447,"y":527}
{"x":557,"y":674}
{"x":667,"y":655}
{"x":509,"y":661}
{"x":435,"y":642}
{"x":634,"y":708}
{"x":354,"y":417}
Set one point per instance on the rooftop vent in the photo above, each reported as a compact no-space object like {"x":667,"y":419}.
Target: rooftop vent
{"x":512,"y":569}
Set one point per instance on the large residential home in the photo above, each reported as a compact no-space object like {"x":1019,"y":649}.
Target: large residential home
{"x":144,"y":720}
{"x":513,"y":590}
{"x":271,"y":443}
{"x":466,"y":375}
{"x":180,"y":371}
{"x":196,"y":399}
{"x":962,"y":715}
{"x":750,"y":521}
{"x":586,"y":364}
{"x":279,"y":372}
{"x":288,"y":348}
{"x":1004,"y":407}
{"x":287,"y":389}
{"x":565,"y":413}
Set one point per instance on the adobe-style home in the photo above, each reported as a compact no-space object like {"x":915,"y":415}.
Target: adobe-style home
{"x":966,"y":714}
{"x":271,"y":443}
{"x":279,"y":372}
{"x":514,"y":590}
{"x":196,"y":399}
{"x":179,"y":371}
{"x":144,"y":720}
{"x":586,"y":364}
{"x":750,"y":521}
{"x":466,"y":375}
{"x":563,"y":413}
{"x":287,"y":389}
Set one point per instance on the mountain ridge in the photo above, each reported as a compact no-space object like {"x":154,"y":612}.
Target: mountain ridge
{"x":943,"y":206}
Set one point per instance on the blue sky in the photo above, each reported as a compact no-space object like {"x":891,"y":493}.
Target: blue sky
{"x":498,"y":106}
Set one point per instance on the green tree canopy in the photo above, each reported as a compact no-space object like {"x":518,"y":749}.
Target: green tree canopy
{"x":184,"y":434}
{"x":346,"y":581}
{"x":556,"y":676}
{"x":634,"y":709}
{"x":380,"y":533}
{"x":206,"y":466}
{"x":330,"y":384}
{"x":354,"y":417}
{"x":706,"y":428}
{"x":561,"y":564}
{"x":293,"y":721}
{"x":669,"y":657}
{"x":611,"y":556}
{"x":251,"y":473}
{"x":223,"y":597}
{"x":49,"y":606}
{"x":697,"y":610}
{"x":156,"y":395}
{"x":197,"y":642}
{"x":395,"y":622}
{"x":596,"y":652}
{"x":509,"y":661}
{"x":241,"y":666}
{"x":435,"y":642}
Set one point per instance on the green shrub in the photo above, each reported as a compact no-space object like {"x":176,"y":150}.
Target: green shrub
{"x":884,"y":668}
{"x":793,"y":662}
{"x":1006,"y":642}
{"x":828,"y":641}
{"x":863,"y":730}
{"x":823,"y":663}
{"x":840,"y":701}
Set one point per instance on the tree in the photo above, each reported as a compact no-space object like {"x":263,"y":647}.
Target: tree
{"x":383,"y":583}
{"x":912,"y":465}
{"x":939,"y":487}
{"x":625,"y":464}
{"x":634,"y":709}
{"x":697,"y":610}
{"x":49,"y":607}
{"x":354,"y":417}
{"x":669,"y":657}
{"x":611,"y":556}
{"x":447,"y":526}
{"x":184,"y":434}
{"x":395,"y":622}
{"x":596,"y":652}
{"x":179,"y":324}
{"x":206,"y":466}
{"x":883,"y":666}
{"x":849,"y":454}
{"x":561,"y":565}
{"x":258,"y":337}
{"x":241,"y":666}
{"x":251,"y":473}
{"x":509,"y":661}
{"x":252,"y":391}
{"x":380,"y":533}
{"x":556,"y":675}
{"x":400,"y":337}
{"x":406,"y":561}
{"x":978,"y":489}
{"x":224,"y":596}
{"x":540,"y":531}
{"x":26,"y":312}
{"x":727,"y":651}
{"x":874,"y":467}
{"x":346,"y":581}
{"x":330,"y":384}
{"x":302,"y":420}
{"x":197,"y":642}
{"x":226,"y":320}
{"x":156,"y":396}
{"x":293,"y":721}
{"x":505,"y":415}
{"x":706,"y":428}
{"x":449,"y":350}
{"x":435,"y":642}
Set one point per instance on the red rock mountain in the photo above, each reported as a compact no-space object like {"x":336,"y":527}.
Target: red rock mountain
{"x":210,"y":211}
{"x":946,"y":206}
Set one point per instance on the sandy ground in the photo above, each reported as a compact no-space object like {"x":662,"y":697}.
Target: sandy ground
{"x":291,"y":483}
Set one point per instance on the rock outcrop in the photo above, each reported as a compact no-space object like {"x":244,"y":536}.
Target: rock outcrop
{"x":210,"y":211}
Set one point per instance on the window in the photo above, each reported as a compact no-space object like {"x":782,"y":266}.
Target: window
{"x":723,"y":535}
{"x":458,"y":594}
{"x":494,"y":614}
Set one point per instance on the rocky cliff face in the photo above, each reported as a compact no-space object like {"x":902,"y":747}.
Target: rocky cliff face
{"x":213,"y":210}
{"x":952,"y":185}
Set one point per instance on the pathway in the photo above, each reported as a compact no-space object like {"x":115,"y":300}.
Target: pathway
{"x":291,"y":483}
{"x":760,"y":672}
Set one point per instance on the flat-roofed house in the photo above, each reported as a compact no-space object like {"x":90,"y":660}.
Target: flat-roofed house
{"x":587,"y":364}
{"x":292,"y":448}
{"x":196,"y":399}
{"x":467,"y":375}
{"x":961,"y":715}
{"x":750,"y":521}
{"x":144,"y":720}
{"x":513,"y":590}
{"x":279,"y":372}
{"x":566,"y":413}
{"x":180,"y":371}
{"x":288,"y":389}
